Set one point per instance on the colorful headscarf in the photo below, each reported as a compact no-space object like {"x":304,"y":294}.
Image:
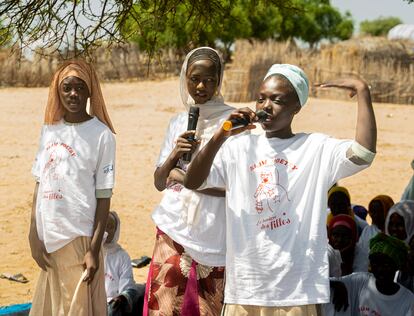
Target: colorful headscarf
{"x":296,"y":77}
{"x":406,"y":210}
{"x":360,"y":211}
{"x":331,"y":191}
{"x":339,"y":189}
{"x":347,"y":221}
{"x":394,"y":248}
{"x":386,"y":202}
{"x":78,"y":68}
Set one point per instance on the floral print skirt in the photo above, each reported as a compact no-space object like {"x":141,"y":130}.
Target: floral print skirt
{"x":179,"y":286}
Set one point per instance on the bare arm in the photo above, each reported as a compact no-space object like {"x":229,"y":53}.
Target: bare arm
{"x":200,"y":166}
{"x":37,"y":248}
{"x":366,"y":128}
{"x":177,"y":175}
{"x":183,"y":146}
{"x":91,"y":259}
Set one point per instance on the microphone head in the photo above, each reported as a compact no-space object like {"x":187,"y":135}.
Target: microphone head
{"x":262,"y":115}
{"x":194,"y":110}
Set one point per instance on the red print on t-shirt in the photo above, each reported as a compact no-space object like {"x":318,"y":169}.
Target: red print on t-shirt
{"x":269,"y":191}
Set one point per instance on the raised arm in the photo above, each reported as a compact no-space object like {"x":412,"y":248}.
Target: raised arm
{"x":366,"y":128}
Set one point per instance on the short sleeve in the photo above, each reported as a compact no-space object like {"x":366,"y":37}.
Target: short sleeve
{"x":36,"y":167}
{"x":340,"y":166}
{"x":175,"y":128}
{"x":105,"y":169}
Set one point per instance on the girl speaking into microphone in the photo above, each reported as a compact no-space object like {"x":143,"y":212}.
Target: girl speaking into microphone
{"x":187,"y":267}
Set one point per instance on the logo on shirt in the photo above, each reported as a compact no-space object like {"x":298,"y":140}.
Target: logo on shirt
{"x":108,"y":168}
{"x":54,"y":169}
{"x":269,"y":192}
{"x":366,"y":311}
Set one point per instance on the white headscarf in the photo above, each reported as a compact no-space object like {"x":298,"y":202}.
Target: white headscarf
{"x":296,"y":77}
{"x":406,"y":210}
{"x":113,"y":245}
{"x":212,"y":115}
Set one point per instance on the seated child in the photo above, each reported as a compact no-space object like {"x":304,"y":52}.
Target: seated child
{"x":123,"y":295}
{"x":378,"y":209}
{"x":376,"y":293}
{"x":339,"y":202}
{"x":343,"y":237}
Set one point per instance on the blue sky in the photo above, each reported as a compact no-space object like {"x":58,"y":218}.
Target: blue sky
{"x":372,"y":9}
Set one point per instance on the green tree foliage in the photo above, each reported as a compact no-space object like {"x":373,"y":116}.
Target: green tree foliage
{"x":309,"y":20}
{"x":380,"y":26}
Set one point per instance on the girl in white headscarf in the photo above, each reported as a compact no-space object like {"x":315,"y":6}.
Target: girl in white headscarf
{"x":187,"y":268}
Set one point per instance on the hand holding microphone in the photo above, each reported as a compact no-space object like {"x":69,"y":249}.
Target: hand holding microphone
{"x":244,"y":117}
{"x":191,"y":126}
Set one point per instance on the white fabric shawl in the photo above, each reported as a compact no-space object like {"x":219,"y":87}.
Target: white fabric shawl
{"x":212,"y":114}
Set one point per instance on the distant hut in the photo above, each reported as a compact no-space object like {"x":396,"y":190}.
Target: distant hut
{"x":402,"y":32}
{"x":386,"y":65}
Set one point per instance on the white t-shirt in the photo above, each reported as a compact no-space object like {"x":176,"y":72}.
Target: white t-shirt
{"x":365,"y":299}
{"x":118,"y":272}
{"x":335,"y":262}
{"x":276,"y":194}
{"x":205,"y":243}
{"x":72,"y":162}
{"x":361,"y":260}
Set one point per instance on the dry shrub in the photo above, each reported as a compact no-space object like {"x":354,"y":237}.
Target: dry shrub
{"x":386,"y":65}
{"x":125,"y":62}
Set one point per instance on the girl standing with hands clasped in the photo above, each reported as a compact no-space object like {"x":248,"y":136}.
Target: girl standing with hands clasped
{"x":74,"y":171}
{"x":187,"y":268}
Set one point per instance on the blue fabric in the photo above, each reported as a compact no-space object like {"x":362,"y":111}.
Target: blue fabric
{"x":16,"y":310}
{"x":296,"y":77}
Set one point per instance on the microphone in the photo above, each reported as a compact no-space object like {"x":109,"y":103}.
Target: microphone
{"x":238,"y":122}
{"x":192,"y":125}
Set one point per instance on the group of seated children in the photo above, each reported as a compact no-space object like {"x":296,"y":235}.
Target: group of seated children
{"x":371,"y":266}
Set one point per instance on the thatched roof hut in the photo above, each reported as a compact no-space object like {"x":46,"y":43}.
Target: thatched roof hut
{"x":388,"y":67}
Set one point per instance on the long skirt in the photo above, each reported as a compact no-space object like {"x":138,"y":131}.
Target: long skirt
{"x":178,"y":285}
{"x":60,"y":290}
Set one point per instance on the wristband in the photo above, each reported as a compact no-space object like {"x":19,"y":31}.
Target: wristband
{"x":362,"y":153}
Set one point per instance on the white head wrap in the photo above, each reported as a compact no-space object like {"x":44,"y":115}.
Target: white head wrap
{"x":113,"y":245}
{"x":212,"y":115}
{"x":296,"y":77}
{"x":406,"y":210}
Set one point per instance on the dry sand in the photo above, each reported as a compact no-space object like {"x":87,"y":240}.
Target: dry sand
{"x":140,"y":112}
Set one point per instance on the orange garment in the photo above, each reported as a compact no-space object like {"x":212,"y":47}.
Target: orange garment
{"x":82,"y":70}
{"x":386,"y":202}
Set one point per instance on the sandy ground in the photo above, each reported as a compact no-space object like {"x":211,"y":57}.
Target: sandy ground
{"x":140,"y":112}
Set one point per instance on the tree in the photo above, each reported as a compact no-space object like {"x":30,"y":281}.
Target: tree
{"x":309,"y":20}
{"x":80,"y":26}
{"x":380,"y":26}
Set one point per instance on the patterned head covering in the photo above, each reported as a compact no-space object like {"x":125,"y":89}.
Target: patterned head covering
{"x":82,"y":70}
{"x":394,"y":248}
{"x":295,"y":76}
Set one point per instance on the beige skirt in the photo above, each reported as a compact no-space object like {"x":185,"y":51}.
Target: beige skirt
{"x":60,"y":290}
{"x":250,"y":310}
